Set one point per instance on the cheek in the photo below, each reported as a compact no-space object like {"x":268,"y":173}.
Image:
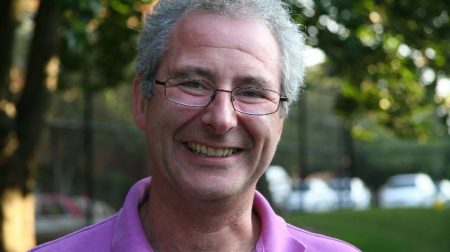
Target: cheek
{"x":157,"y":121}
{"x":279,"y":128}
{"x":165,"y":118}
{"x":274,"y":127}
{"x":272,"y":133}
{"x":266,"y":132}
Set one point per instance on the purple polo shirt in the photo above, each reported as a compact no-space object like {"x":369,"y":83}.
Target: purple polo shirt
{"x":123,"y":232}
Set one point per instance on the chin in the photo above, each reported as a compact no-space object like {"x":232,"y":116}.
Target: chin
{"x":214,"y":192}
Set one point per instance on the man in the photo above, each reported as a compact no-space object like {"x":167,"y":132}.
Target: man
{"x":214,"y":80}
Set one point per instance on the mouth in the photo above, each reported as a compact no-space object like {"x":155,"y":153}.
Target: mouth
{"x":208,"y":151}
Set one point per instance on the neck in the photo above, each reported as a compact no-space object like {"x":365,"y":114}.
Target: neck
{"x":189,"y":225}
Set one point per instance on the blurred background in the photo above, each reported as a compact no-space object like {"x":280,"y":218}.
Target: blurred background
{"x":365,"y":154}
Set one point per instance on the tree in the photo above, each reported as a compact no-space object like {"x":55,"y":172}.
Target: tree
{"x":7,"y":25}
{"x":21,"y":123}
{"x":387,"y":56}
{"x":92,"y":36}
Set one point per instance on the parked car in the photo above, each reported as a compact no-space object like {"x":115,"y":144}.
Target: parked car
{"x":352,"y":193}
{"x":408,"y":190}
{"x":57,"y":214}
{"x":279,"y":183}
{"x":312,"y":195}
{"x":443,"y":192}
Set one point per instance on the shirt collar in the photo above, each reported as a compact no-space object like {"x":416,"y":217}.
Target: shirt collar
{"x":274,"y":233}
{"x":129,"y":234}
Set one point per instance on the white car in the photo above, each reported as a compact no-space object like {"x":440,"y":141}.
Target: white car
{"x":408,"y":190}
{"x":443,"y":194}
{"x":352,"y":193}
{"x":312,"y":195}
{"x":279,"y":183}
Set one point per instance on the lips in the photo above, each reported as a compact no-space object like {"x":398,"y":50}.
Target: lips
{"x":208,"y":151}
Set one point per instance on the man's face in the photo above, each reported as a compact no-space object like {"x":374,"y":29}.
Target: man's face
{"x":214,"y":152}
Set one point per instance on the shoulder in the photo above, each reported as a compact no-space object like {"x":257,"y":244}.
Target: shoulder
{"x":123,"y":231}
{"x":277,"y":235}
{"x":97,"y":237}
{"x":318,"y":242}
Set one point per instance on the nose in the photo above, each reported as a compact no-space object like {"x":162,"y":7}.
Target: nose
{"x":220,"y":115}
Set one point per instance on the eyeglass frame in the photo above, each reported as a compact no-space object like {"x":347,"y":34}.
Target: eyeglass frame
{"x":282,"y":98}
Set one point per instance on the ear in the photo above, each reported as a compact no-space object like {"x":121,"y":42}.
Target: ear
{"x":138,"y":104}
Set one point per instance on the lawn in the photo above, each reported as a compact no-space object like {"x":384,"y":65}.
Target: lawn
{"x":411,"y":230}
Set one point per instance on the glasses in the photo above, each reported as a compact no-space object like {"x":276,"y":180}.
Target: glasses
{"x":199,"y":93}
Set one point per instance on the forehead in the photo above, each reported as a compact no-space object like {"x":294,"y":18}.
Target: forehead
{"x":216,"y":41}
{"x":232,"y":27}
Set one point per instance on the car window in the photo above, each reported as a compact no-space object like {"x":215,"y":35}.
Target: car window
{"x":401,"y":182}
{"x":340,"y":184}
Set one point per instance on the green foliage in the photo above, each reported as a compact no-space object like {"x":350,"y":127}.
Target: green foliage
{"x":379,"y":52}
{"x":98,"y":43}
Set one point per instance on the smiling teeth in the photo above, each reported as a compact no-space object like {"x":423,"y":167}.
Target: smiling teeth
{"x":211,"y":152}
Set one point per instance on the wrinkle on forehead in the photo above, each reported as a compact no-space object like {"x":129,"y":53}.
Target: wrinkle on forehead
{"x":259,"y":56}
{"x":262,"y":50}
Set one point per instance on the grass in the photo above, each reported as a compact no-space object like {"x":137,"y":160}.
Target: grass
{"x":390,"y":230}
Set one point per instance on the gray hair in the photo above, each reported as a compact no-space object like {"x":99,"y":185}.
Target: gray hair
{"x":154,"y":37}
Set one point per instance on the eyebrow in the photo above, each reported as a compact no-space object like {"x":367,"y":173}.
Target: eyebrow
{"x":205,"y":72}
{"x":191,"y":71}
{"x":254,"y":81}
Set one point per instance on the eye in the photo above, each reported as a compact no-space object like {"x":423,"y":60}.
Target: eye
{"x":192,"y":84}
{"x":193,"y":87}
{"x":251,"y":95}
{"x":255,"y":95}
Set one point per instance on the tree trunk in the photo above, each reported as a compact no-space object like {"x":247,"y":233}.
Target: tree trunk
{"x":7,"y":143}
{"x":23,"y":132}
{"x":7,"y":27}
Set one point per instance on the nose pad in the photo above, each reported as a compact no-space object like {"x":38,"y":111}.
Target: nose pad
{"x":213,"y":97}
{"x":220,"y":114}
